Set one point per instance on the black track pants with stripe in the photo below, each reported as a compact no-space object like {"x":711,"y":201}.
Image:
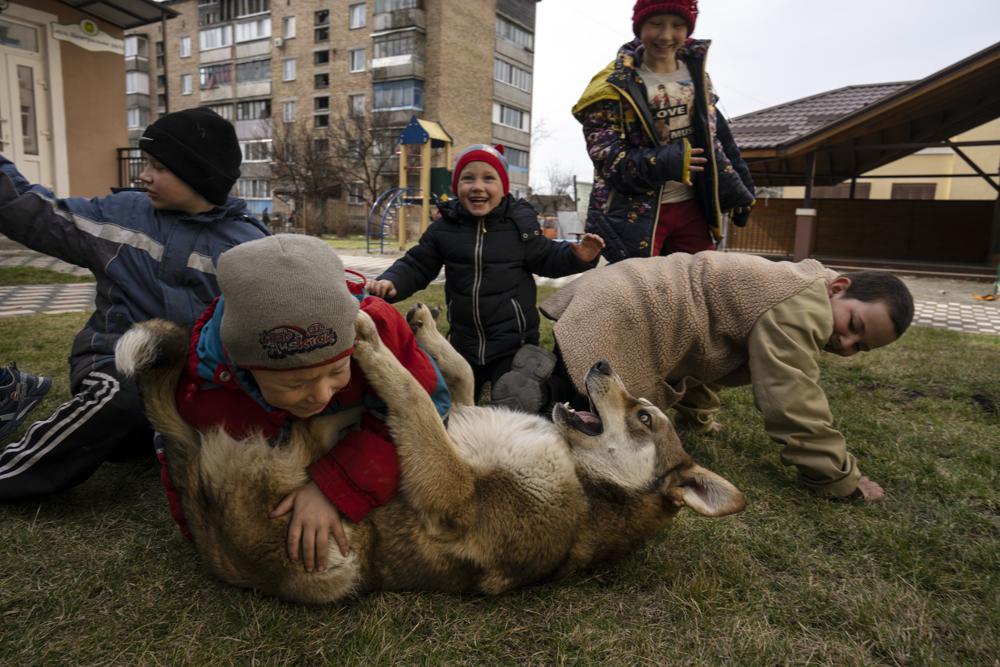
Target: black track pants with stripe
{"x":103,"y":421}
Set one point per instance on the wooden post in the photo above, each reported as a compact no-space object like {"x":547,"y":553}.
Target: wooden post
{"x":805,"y":217}
{"x":425,"y":184}
{"x":401,"y":218}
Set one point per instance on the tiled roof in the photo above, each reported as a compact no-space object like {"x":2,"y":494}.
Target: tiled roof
{"x":781,"y":124}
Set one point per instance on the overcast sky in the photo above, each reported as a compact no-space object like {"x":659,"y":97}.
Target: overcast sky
{"x":763,"y":53}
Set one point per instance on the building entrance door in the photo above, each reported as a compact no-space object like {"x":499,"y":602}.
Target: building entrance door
{"x":25,"y":134}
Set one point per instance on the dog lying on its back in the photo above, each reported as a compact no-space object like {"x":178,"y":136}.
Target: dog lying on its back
{"x":497,"y":500}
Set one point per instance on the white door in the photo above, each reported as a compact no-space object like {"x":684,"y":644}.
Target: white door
{"x":25,"y":134}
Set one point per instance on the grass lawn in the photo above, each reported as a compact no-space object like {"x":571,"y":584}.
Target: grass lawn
{"x":99,"y":575}
{"x":29,"y":275}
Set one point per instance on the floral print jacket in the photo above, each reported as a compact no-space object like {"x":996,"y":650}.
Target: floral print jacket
{"x":630,"y":166}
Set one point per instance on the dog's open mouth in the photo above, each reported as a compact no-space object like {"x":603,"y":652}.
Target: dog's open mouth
{"x":588,"y":423}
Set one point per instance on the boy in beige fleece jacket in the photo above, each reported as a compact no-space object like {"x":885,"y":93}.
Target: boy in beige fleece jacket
{"x":675,"y":326}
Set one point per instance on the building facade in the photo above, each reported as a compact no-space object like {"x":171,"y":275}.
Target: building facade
{"x":272,"y":67}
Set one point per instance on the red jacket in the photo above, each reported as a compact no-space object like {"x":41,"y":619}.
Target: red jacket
{"x":361,"y":472}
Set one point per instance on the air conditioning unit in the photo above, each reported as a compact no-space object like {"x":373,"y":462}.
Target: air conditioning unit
{"x":278,"y":42}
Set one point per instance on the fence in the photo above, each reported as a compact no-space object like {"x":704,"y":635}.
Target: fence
{"x":931,"y":231}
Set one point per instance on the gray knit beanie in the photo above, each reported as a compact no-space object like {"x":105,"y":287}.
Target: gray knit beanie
{"x":287,"y":305}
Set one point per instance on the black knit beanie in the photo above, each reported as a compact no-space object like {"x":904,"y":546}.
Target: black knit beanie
{"x":200,"y":147}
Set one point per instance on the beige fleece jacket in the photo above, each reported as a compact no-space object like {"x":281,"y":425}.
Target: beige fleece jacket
{"x":722,"y":318}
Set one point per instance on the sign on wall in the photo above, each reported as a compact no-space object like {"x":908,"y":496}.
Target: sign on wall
{"x":87,"y":35}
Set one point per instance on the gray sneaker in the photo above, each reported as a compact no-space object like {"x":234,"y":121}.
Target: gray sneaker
{"x":524,"y":386}
{"x":19,"y":393}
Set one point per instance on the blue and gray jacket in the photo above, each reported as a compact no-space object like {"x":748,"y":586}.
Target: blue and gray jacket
{"x":147,"y":263}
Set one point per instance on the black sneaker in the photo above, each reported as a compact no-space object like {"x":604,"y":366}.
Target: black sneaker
{"x":523,"y":387}
{"x":18,"y":397}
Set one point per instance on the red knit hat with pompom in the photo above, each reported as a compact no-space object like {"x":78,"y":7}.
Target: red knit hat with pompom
{"x":686,"y":9}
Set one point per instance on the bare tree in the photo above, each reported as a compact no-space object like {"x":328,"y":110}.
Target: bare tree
{"x":301,"y":167}
{"x":560,"y":180}
{"x":353,"y":154}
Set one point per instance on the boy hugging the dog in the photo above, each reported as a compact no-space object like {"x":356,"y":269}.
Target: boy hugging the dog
{"x":276,"y":347}
{"x":677,"y":327}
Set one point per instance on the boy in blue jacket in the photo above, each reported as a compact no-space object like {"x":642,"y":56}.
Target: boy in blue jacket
{"x":152,"y":254}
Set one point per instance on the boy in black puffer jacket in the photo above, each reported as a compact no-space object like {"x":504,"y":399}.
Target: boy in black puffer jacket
{"x":490,"y":245}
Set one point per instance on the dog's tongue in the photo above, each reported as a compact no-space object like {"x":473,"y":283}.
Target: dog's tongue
{"x":589,"y":418}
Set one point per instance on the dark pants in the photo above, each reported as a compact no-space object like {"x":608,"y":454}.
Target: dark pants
{"x":103,"y":421}
{"x":490,"y":372}
{"x":681,"y":227}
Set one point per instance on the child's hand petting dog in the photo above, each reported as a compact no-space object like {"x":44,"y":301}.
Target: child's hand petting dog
{"x":313,"y":519}
{"x":588,"y":248}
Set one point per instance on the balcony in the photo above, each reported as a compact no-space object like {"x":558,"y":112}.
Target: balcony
{"x":398,"y":19}
{"x":409,"y":65}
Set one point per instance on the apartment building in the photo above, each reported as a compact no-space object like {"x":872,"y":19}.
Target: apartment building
{"x":267,"y":65}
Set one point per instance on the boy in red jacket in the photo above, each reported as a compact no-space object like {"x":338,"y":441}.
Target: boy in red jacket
{"x":276,"y":347}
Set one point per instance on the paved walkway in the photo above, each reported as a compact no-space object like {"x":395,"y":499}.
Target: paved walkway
{"x":935,"y":307}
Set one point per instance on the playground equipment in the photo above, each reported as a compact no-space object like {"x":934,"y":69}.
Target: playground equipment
{"x":383,"y":215}
{"x":417,"y":175}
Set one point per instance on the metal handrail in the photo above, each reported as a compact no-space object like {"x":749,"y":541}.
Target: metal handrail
{"x":382,"y":213}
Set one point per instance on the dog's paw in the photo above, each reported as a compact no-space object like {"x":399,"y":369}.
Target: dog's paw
{"x":420,"y":315}
{"x":365,"y":334}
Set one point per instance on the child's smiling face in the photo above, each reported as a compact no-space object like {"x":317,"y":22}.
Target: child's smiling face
{"x":479,"y":188}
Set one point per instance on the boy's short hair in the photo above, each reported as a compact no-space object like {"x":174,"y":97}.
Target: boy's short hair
{"x":880,"y":286}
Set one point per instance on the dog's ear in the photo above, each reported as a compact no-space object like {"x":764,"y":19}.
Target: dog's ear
{"x":709,"y":494}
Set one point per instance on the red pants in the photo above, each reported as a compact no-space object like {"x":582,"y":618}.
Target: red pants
{"x":681,"y":228}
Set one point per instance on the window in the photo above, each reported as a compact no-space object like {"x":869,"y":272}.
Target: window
{"x":187,"y":84}
{"x":321,"y":103}
{"x":288,"y":111}
{"x":356,"y":105}
{"x":355,"y":193}
{"x":396,"y":44}
{"x":321,"y":57}
{"x":215,"y":38}
{"x":288,"y":27}
{"x":321,"y":80}
{"x":136,"y":82}
{"x":357,"y":16}
{"x":402,"y":94}
{"x":512,"y":75}
{"x":135,"y":47}
{"x":321,"y":35}
{"x":251,"y":7}
{"x":514,"y":33}
{"x":161,"y":80}
{"x":137,"y":118}
{"x":213,"y":76}
{"x":251,"y":30}
{"x":253,"y":188}
{"x":253,"y":110}
{"x":511,"y":117}
{"x":913,"y":190}
{"x":161,"y":101}
{"x":356,"y":60}
{"x":321,"y":145}
{"x":321,"y":120}
{"x":256,"y":151}
{"x":224,"y":110}
{"x":288,"y":69}
{"x":393,"y":5}
{"x":254,"y":70}
{"x":160,"y":55}
{"x":517,"y":159}
{"x":185,"y":47}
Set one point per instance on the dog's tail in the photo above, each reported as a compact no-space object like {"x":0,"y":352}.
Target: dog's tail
{"x":154,"y":353}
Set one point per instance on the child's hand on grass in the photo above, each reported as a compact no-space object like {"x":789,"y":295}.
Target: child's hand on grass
{"x":588,"y":247}
{"x":313,"y":519}
{"x":381,"y":288}
{"x":870,"y":491}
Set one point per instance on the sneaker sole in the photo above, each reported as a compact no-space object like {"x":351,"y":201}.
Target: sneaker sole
{"x":517,"y":391}
{"x":535,"y":362}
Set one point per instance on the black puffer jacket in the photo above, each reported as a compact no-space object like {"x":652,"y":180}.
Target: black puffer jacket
{"x":489,"y":264}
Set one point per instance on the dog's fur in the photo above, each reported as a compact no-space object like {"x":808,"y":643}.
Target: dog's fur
{"x":497,"y":500}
